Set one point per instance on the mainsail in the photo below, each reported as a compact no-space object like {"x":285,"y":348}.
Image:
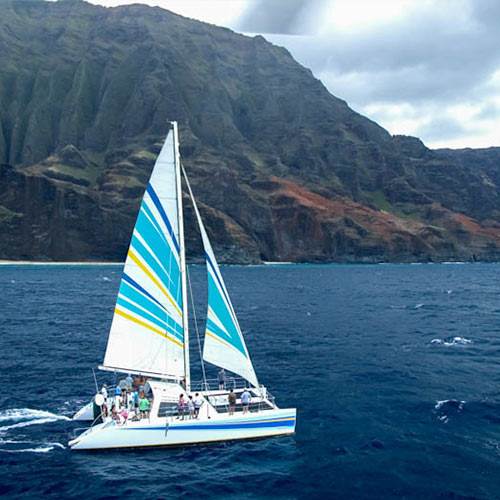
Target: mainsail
{"x":147,"y":334}
{"x":224,"y":344}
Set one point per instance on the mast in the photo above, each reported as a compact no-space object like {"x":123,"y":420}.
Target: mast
{"x":182,"y":258}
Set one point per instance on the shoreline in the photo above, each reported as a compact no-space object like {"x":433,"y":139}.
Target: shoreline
{"x":57,"y":263}
{"x":4,"y":262}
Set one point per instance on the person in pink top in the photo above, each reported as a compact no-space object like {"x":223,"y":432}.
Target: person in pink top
{"x":181,"y":407}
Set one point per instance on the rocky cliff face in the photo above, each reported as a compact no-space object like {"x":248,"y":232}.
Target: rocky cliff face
{"x":283,"y":170}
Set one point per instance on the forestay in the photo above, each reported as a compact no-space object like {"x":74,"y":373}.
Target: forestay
{"x":224,"y":344}
{"x":146,"y":333}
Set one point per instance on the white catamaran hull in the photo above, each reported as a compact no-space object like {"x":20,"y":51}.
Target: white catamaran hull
{"x":170,"y":432}
{"x":85,"y":414}
{"x":149,"y":337}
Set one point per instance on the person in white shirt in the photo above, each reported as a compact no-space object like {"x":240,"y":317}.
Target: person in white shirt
{"x":245,"y":400}
{"x":190,"y":404}
{"x":198,"y":402}
{"x":104,"y":392}
{"x":118,"y":403}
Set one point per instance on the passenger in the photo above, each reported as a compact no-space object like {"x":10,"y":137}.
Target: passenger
{"x":181,"y":407}
{"x":231,"y":398}
{"x":245,"y":400}
{"x":135,"y":414}
{"x":124,"y":401}
{"x":122,"y":384}
{"x":198,"y":402}
{"x":147,"y":389}
{"x":130,"y":381}
{"x":104,"y":391}
{"x":190,"y":407}
{"x":134,"y":400}
{"x":118,"y":401}
{"x":123,"y":416}
{"x":114,"y":414}
{"x":222,"y":378}
{"x":144,"y":405}
{"x":118,"y":390}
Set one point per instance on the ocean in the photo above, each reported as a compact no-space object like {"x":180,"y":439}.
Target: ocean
{"x":394,"y":370}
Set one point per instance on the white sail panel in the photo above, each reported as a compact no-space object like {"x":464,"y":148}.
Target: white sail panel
{"x":146,"y":333}
{"x":224,"y":344}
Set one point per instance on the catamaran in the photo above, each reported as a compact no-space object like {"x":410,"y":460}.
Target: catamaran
{"x":149,"y":337}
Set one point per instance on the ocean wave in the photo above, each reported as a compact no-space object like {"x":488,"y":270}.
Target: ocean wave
{"x":25,"y":417}
{"x":450,"y":403}
{"x":452,"y":341}
{"x":17,"y":414}
{"x":44,"y":448}
{"x":447,"y":408}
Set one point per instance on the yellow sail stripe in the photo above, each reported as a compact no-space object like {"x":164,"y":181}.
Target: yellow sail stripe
{"x":223,"y":342}
{"x":149,"y":327}
{"x":154,"y":280}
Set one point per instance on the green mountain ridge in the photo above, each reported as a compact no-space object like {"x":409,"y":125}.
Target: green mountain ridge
{"x":282,"y":169}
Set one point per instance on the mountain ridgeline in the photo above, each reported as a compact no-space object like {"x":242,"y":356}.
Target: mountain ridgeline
{"x":283,"y":170}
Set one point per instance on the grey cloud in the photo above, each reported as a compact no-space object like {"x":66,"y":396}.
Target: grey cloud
{"x":444,"y":128}
{"x":489,"y":112}
{"x":440,"y":55}
{"x":292,"y":17}
{"x":416,"y":59}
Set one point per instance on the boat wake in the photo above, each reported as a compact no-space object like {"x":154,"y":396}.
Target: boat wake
{"x":44,"y":448}
{"x":16,"y":418}
{"x":452,"y":341}
{"x":25,"y":417}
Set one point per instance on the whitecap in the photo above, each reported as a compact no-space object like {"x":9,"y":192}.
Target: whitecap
{"x":418,"y":306}
{"x":13,"y":441}
{"x":461,"y":340}
{"x":452,"y":341}
{"x":455,"y":403}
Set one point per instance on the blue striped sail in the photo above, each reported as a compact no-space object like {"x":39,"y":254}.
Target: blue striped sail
{"x":146,"y":333}
{"x":224,"y":344}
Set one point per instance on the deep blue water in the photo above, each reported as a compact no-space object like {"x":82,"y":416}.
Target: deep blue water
{"x":364,"y":352}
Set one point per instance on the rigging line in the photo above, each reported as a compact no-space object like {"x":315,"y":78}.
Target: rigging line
{"x":196,"y":329}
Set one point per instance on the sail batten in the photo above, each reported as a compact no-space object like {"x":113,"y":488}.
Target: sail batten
{"x":147,"y":333}
{"x":224,"y":345}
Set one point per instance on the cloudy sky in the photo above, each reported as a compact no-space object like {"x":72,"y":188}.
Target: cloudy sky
{"x":418,"y":67}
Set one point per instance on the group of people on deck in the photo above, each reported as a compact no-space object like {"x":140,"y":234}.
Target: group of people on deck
{"x":190,"y":407}
{"x":245,"y":397}
{"x":131,"y":400}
